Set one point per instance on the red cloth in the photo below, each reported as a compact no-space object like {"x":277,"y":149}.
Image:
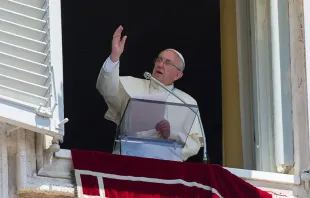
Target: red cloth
{"x":126,"y":176}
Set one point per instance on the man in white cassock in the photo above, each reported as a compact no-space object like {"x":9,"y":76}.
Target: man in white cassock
{"x":116,"y":90}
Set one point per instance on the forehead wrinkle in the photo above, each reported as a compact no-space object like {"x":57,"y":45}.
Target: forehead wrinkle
{"x":176,"y":56}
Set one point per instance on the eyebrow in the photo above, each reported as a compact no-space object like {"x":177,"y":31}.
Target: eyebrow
{"x":178,"y":68}
{"x":165,"y":58}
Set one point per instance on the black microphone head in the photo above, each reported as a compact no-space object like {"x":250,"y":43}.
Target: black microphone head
{"x":147,"y":75}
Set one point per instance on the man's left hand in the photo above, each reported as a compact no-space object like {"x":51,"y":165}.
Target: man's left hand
{"x":164,"y":128}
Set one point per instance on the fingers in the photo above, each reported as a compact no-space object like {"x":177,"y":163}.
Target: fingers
{"x":118,"y":32}
{"x":123,"y":40}
{"x":117,"y":37}
{"x":164,"y":123}
{"x":158,"y":125}
{"x":162,"y":126}
{"x":166,"y":134}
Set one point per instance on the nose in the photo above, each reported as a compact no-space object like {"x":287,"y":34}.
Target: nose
{"x":160,"y":64}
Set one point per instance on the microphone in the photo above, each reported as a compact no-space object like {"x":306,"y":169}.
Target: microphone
{"x":149,"y":76}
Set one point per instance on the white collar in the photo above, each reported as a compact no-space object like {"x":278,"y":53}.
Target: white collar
{"x":157,"y":87}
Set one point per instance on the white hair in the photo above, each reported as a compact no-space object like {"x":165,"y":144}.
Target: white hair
{"x":181,"y":57}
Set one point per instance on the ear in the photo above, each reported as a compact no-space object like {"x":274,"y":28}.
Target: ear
{"x":179,"y":75}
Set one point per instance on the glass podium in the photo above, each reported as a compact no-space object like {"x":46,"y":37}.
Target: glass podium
{"x":136,"y":134}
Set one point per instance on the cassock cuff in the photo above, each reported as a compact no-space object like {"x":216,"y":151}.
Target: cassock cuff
{"x":109,"y":65}
{"x":178,"y":136}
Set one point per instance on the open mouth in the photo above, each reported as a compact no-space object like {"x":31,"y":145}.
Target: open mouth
{"x":159,"y":72}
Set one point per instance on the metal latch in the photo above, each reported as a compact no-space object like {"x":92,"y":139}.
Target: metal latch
{"x":45,"y":112}
{"x":305,"y":176}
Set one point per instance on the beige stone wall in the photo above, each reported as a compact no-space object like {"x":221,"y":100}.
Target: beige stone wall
{"x":19,"y":173}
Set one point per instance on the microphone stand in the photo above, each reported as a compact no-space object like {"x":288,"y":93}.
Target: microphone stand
{"x":148,"y":76}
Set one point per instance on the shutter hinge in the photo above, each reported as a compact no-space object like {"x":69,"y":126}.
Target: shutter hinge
{"x":46,"y":112}
{"x":305,"y":177}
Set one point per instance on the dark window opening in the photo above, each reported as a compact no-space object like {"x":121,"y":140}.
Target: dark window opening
{"x":193,"y":28}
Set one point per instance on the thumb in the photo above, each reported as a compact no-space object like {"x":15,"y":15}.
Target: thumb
{"x":123,"y":40}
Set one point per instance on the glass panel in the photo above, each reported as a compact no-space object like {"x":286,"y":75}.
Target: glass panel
{"x":142,"y":116}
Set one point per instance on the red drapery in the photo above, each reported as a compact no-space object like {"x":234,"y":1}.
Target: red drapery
{"x":100,"y":174}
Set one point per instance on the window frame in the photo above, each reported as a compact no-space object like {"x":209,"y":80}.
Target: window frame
{"x":253,"y":82}
{"x":253,"y":30}
{"x":245,"y":83}
{"x":304,"y":162}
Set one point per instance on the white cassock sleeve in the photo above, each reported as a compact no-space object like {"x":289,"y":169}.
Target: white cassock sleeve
{"x":108,"y":65}
{"x":192,"y":141}
{"x":109,"y":86}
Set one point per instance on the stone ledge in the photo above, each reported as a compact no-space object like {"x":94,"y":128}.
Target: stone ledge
{"x":59,"y":168}
{"x":44,"y":187}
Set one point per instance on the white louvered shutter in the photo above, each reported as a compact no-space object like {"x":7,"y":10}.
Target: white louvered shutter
{"x":31,"y":65}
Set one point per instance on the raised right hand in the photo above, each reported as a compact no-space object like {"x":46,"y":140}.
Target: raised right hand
{"x":118,"y":44}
